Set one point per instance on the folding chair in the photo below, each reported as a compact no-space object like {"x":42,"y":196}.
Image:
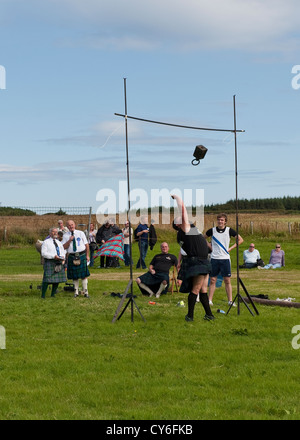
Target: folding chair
{"x":173,"y":281}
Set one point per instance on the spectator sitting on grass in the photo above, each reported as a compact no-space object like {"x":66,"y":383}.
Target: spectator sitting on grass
{"x":276,"y":259}
{"x":250,"y":257}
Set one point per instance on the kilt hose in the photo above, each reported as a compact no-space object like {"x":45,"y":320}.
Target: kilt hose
{"x":77,"y":272}
{"x":154,"y":281}
{"x":50,"y":276}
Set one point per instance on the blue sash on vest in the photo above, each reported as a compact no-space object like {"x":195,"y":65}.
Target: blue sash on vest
{"x":220,"y":244}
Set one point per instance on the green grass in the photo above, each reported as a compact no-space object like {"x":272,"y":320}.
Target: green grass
{"x":64,"y":359}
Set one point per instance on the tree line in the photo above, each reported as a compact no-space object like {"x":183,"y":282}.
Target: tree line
{"x":269,"y":204}
{"x":278,"y":204}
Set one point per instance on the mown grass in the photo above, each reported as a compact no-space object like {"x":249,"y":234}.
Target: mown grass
{"x":64,"y":359}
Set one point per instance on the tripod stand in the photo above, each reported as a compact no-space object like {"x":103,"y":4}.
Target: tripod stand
{"x":239,"y":299}
{"x":130,"y":301}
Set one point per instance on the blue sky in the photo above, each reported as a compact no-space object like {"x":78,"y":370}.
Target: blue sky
{"x":65,"y":61}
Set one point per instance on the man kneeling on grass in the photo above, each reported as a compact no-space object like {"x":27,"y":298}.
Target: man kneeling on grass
{"x":157,"y":279}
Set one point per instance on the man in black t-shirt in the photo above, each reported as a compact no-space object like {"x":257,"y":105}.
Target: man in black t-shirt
{"x":158,"y":275}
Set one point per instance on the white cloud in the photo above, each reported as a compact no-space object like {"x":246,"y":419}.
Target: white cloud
{"x":268,"y":25}
{"x":250,"y":25}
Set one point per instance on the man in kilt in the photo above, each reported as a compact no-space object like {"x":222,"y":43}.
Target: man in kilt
{"x":157,"y":279}
{"x":195,"y":267}
{"x":77,"y":247}
{"x":53,"y":254}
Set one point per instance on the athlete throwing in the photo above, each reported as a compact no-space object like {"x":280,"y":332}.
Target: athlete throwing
{"x":195,"y":266}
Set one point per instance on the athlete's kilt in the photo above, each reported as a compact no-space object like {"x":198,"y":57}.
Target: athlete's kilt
{"x":154,"y":280}
{"x":77,"y":272}
{"x":191,"y":267}
{"x":50,"y":276}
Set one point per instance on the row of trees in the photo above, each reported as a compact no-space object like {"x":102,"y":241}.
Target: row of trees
{"x":10,"y":211}
{"x":269,"y":204}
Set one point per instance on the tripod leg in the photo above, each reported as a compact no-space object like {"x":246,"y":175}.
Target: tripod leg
{"x":248,"y":296}
{"x":122,"y":302}
{"x":242,"y":299}
{"x":128,"y":302}
{"x":138,"y":310}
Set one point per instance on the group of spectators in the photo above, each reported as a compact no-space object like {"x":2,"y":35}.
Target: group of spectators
{"x":252,"y":258}
{"x":145,"y":236}
{"x":202,"y":258}
{"x":65,"y":253}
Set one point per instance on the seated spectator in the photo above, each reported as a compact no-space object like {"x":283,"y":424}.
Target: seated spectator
{"x":250,"y":257}
{"x":158,"y":276}
{"x":276,"y":259}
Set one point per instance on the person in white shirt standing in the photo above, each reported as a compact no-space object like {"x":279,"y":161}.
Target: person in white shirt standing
{"x":220,"y":257}
{"x":77,"y":247}
{"x":53,"y":254}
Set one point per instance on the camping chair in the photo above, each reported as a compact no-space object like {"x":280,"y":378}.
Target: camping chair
{"x":173,"y":281}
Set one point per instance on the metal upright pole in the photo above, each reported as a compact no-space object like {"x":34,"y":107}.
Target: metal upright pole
{"x":236,"y":210}
{"x":131,"y":300}
{"x":128,"y":197}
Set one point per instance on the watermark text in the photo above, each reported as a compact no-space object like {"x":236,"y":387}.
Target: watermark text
{"x":157,"y":204}
{"x":2,"y":338}
{"x":296,"y":78}
{"x":295,"y":340}
{"x":2,"y":78}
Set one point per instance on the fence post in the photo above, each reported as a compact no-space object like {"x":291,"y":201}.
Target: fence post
{"x":251,"y":227}
{"x":89,"y":224}
{"x":290,"y":228}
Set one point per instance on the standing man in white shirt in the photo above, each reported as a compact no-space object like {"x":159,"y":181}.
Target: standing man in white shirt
{"x":77,"y":247}
{"x":220,"y":257}
{"x":53,"y":254}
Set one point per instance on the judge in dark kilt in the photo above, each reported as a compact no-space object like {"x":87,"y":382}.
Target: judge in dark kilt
{"x":195,"y":267}
{"x":157,"y":279}
{"x":77,"y":247}
{"x":53,"y":254}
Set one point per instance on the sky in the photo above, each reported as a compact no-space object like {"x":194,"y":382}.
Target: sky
{"x":63,"y":64}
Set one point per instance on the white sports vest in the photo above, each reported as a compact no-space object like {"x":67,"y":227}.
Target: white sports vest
{"x":218,"y":252}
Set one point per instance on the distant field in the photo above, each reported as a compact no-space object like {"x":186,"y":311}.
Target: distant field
{"x":27,"y":230}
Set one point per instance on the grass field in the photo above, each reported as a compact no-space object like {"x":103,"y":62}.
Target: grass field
{"x":64,"y":359}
